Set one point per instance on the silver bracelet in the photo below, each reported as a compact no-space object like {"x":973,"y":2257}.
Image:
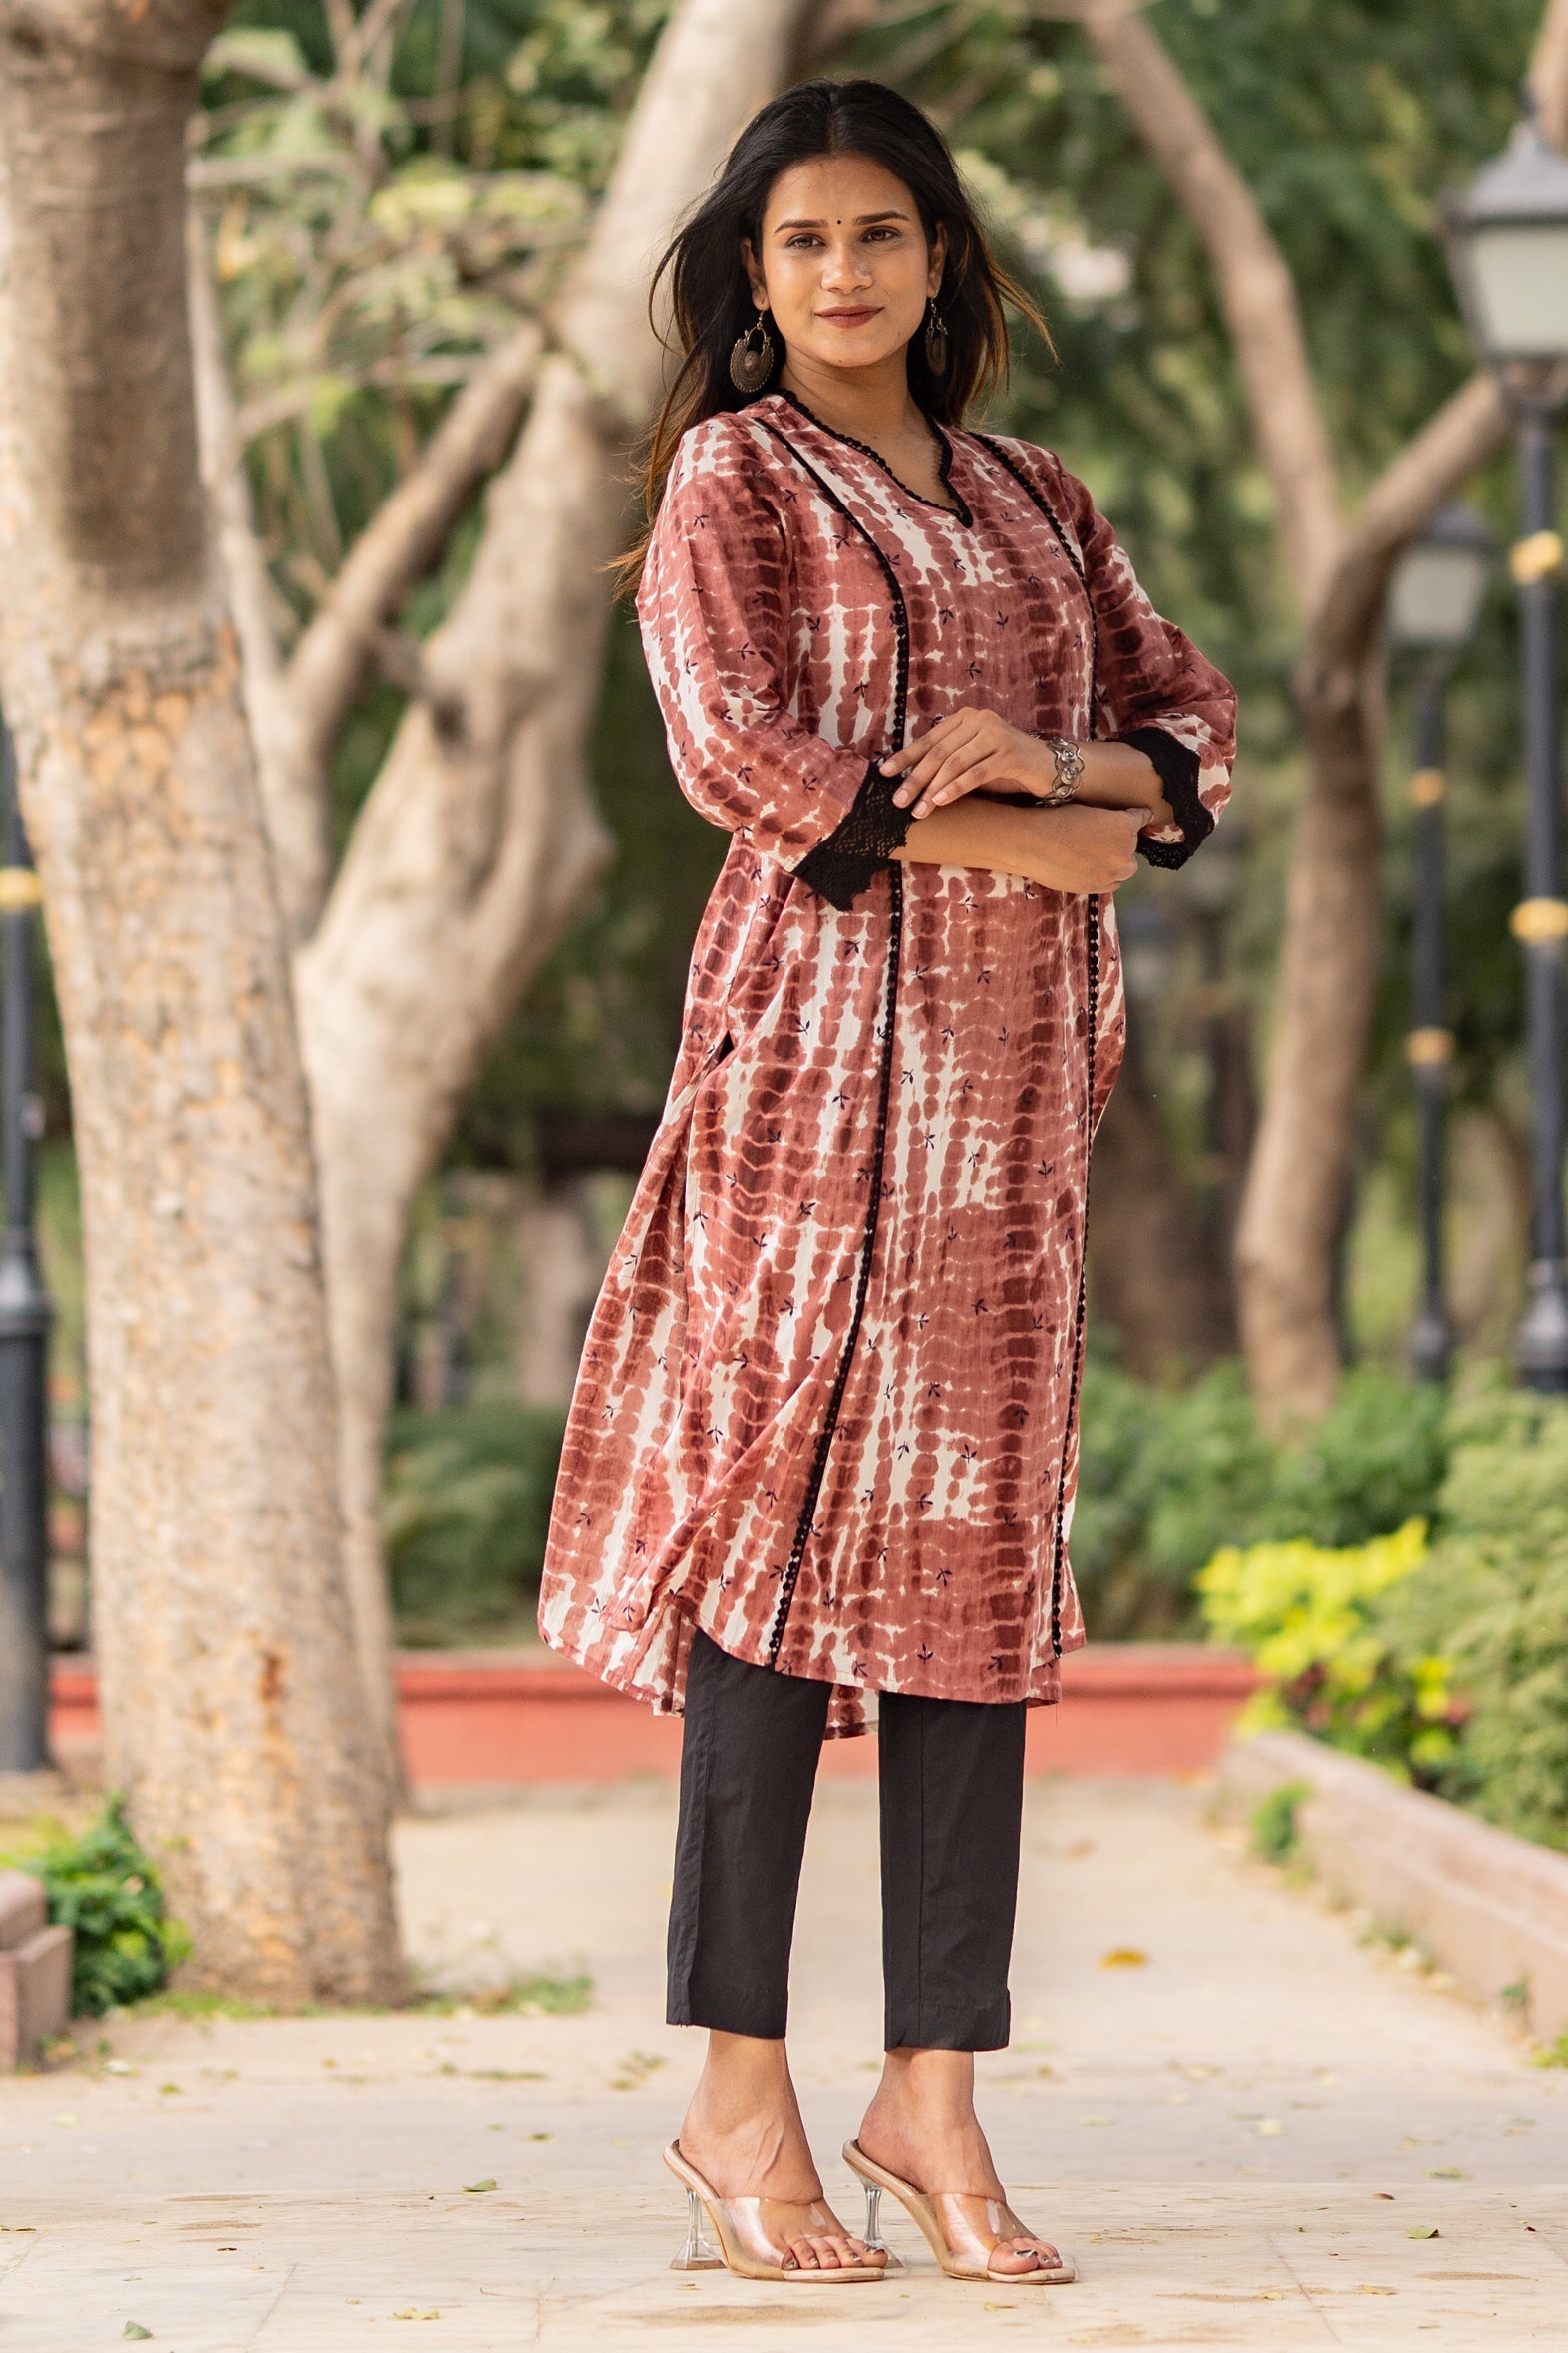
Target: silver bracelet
{"x":1068,"y":760}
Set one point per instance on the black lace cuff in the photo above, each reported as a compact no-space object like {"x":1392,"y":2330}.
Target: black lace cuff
{"x":861,"y":844}
{"x":1178,"y":770}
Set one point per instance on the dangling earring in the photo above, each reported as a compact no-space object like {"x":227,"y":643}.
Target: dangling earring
{"x":936,"y":340}
{"x":751,"y":357}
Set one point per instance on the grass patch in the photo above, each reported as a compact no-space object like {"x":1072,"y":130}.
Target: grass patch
{"x":540,"y":1994}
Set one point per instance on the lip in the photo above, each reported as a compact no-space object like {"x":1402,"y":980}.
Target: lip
{"x":855,"y":317}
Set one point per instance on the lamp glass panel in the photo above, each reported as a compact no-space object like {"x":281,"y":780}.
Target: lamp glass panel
{"x":1436,"y":595}
{"x":1519,"y":276}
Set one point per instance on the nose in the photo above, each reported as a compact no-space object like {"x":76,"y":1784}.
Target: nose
{"x":844,"y":267}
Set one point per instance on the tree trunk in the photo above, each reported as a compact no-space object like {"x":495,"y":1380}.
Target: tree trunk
{"x":231,"y":1709}
{"x":479,"y":839}
{"x":1296,"y":1185}
{"x":1296,"y":1189}
{"x":1153,"y":1270}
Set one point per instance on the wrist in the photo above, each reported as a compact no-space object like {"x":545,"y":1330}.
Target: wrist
{"x":1063,"y":770}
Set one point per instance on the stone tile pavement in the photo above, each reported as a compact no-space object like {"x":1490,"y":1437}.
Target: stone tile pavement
{"x":1237,"y":2134}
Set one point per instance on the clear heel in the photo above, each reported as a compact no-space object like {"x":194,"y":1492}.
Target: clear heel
{"x":873,"y":2233}
{"x":699,"y":2254}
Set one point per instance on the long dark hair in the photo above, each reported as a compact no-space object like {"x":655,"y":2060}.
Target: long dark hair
{"x":711,"y":298}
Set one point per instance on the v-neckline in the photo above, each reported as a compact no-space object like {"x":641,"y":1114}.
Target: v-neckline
{"x":959,"y":512}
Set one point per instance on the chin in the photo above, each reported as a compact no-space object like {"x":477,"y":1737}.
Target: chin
{"x":849,"y":351}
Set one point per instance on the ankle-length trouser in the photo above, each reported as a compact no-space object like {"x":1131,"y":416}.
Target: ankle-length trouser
{"x":952,"y":1789}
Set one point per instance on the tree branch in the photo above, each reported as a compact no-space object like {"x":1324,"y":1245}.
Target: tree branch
{"x":344,"y":639}
{"x":1255,"y":289}
{"x":1466,"y":431}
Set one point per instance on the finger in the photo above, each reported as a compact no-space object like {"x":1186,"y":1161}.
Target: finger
{"x":932,"y":752}
{"x":970,"y":777}
{"x":893,"y":763}
{"x":958,"y":774}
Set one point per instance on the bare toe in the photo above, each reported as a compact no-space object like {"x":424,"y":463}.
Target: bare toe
{"x":1017,"y":2258}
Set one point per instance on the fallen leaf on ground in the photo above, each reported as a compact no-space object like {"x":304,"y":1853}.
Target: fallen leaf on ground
{"x":1448,"y":2173}
{"x":1124,"y":1956}
{"x":473,"y":2189}
{"x":133,"y":2329}
{"x":411,"y":2312}
{"x":1378,"y":2292}
{"x":1423,"y":2230}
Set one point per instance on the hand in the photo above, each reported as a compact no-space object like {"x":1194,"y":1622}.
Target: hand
{"x":1083,"y":849}
{"x":969,"y":751}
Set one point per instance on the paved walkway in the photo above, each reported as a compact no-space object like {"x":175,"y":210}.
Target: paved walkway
{"x":1238,"y":2135}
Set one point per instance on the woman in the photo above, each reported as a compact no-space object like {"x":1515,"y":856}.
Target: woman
{"x":823,"y":1441}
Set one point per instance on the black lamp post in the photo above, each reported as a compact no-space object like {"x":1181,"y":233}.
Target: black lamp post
{"x":25,"y":1316}
{"x":1509,"y":238}
{"x":1434,"y":602}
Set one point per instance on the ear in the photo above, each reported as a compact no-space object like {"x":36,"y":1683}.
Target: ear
{"x":938,"y":261}
{"x":754,"y":276}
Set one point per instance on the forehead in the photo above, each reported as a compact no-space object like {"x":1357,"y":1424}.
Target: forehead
{"x":836,"y":187}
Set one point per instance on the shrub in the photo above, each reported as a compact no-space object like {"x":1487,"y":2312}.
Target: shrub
{"x":467,"y":1514}
{"x":1167,"y":1479}
{"x":1272,"y":1824}
{"x":1307,"y":1616}
{"x":1494,"y":1598}
{"x":101,"y":1885}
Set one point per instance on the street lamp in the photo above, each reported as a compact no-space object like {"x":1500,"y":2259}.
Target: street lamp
{"x":1509,"y":241}
{"x":1435,"y":602}
{"x":25,"y":1316}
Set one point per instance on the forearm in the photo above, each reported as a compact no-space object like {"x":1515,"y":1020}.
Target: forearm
{"x":1120,"y":776}
{"x":975,"y":831}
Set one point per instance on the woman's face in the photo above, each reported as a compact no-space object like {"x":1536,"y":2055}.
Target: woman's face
{"x":843,"y":263}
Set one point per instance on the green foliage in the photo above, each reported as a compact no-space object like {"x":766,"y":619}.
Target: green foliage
{"x":1307,"y":1615}
{"x":1167,"y":1479}
{"x":1494,"y":1598}
{"x":1272,"y":1821}
{"x":467,"y":1514}
{"x":100,"y":1885}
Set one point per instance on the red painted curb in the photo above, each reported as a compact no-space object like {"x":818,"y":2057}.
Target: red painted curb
{"x":501,"y":1718}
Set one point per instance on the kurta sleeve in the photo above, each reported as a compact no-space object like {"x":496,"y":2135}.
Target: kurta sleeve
{"x":715,"y":608}
{"x":1154,"y":689}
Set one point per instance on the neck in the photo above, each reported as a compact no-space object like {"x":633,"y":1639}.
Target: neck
{"x":869,"y":404}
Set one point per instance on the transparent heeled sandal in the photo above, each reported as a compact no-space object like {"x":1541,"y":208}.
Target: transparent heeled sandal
{"x":753,"y":2234}
{"x":962,"y":2232}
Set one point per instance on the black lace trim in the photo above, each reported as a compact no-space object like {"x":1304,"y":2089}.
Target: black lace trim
{"x":1177,"y":769}
{"x":861,"y":844}
{"x":959,"y":509}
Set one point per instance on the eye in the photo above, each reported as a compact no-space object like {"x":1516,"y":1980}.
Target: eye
{"x":801,"y":239}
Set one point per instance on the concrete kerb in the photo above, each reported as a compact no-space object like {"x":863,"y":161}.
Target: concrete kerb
{"x":1489,"y":1908}
{"x":34,"y":1972}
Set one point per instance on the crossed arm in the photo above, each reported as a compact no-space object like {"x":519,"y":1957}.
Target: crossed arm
{"x":1086,"y":844}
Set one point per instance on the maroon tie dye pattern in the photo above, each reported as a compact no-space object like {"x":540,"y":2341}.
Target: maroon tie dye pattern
{"x":789,"y":574}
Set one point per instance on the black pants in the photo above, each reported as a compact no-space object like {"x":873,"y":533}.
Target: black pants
{"x":952,"y":1791}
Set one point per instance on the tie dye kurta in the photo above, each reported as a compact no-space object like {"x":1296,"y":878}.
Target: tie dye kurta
{"x":827,"y":1405}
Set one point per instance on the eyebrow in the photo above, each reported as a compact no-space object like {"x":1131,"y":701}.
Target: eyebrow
{"x":865,"y":219}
